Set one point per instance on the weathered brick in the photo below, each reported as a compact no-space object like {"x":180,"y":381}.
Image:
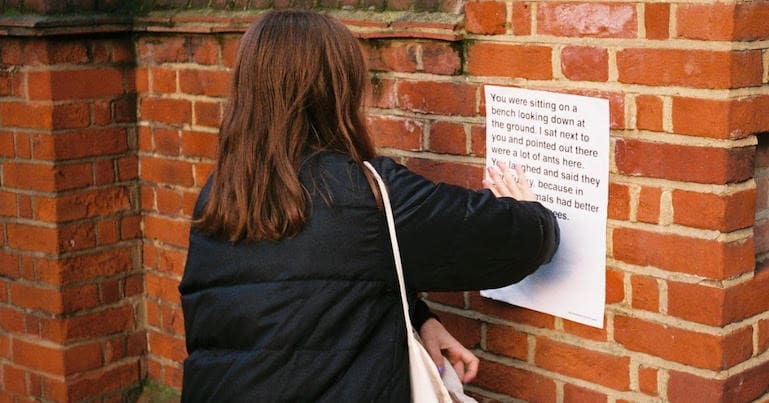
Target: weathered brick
{"x":80,"y":144}
{"x":582,"y":63}
{"x":486,"y":18}
{"x":83,"y":204}
{"x":158,"y":50}
{"x":205,"y":50}
{"x":602,"y":20}
{"x":382,"y":93}
{"x":440,"y":98}
{"x":395,"y":56}
{"x":440,"y":58}
{"x":750,"y":21}
{"x":212,"y":83}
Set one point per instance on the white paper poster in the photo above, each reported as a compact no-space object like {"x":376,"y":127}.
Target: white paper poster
{"x":562,"y":142}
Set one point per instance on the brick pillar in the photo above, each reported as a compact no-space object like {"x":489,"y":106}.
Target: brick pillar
{"x":70,"y":274}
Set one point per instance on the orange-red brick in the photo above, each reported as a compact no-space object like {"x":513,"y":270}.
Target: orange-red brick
{"x":689,"y":68}
{"x":507,"y":341}
{"x":646,"y":294}
{"x":583,"y":363}
{"x":708,"y":258}
{"x":684,"y":346}
{"x":649,"y":111}
{"x":164,"y":110}
{"x":744,"y":386}
{"x":519,"y":383}
{"x":721,"y":212}
{"x":657,"y":20}
{"x":533,"y":62}
{"x":521,"y":18}
{"x":705,"y":21}
{"x":683,"y":162}
{"x":395,"y":132}
{"x":649,"y":205}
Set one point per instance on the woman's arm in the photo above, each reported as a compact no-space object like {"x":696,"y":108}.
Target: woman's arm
{"x":452,"y":238}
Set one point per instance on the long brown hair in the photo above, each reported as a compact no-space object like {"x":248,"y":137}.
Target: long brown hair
{"x":297,"y":87}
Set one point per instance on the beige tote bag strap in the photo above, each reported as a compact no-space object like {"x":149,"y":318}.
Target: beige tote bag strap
{"x":426,"y":383}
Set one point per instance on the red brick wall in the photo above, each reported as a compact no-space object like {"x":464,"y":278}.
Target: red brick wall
{"x":687,"y":315}
{"x":71,"y":285}
{"x":182,"y":81}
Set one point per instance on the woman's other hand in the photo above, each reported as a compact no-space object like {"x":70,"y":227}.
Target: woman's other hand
{"x":438,"y":341}
{"x":503,"y":182}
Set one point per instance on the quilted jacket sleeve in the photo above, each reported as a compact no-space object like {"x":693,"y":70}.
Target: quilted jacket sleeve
{"x":452,"y":238}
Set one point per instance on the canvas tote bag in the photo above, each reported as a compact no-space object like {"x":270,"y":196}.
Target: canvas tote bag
{"x":427,"y":385}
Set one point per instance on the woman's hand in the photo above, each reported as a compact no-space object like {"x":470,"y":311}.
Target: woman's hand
{"x":438,"y":340}
{"x":504,"y":183}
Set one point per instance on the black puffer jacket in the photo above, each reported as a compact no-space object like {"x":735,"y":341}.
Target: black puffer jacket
{"x":317,"y":317}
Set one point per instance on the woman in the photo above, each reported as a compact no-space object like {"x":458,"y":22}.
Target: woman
{"x":289,"y":292}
